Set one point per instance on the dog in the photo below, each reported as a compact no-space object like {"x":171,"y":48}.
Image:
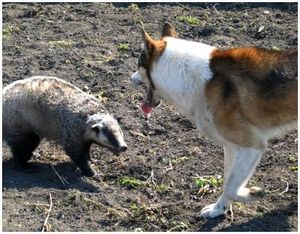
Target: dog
{"x":239,"y":98}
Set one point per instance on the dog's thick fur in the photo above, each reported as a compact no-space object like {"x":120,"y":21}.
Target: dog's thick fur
{"x":48,"y":107}
{"x":239,"y":98}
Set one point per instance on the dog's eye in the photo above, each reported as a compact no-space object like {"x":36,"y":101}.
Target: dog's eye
{"x":142,"y":62}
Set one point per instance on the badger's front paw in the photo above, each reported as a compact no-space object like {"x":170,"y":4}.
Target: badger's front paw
{"x":88,"y":171}
{"x":97,"y":177}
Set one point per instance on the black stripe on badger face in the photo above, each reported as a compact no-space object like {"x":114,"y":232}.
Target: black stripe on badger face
{"x":109,"y":134}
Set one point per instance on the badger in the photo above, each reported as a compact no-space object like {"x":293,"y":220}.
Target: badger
{"x":51,"y":108}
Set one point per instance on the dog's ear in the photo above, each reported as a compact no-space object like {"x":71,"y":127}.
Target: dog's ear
{"x":169,"y":31}
{"x":147,"y":41}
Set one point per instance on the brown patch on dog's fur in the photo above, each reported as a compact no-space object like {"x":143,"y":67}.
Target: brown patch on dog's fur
{"x":169,"y":31}
{"x":152,"y":51}
{"x":252,"y":87}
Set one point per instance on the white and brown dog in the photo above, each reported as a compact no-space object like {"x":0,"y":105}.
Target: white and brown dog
{"x":239,"y":98}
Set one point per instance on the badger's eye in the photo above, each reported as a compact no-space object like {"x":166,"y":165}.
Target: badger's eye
{"x":109,"y":134}
{"x":118,"y":119}
{"x":96,"y":129}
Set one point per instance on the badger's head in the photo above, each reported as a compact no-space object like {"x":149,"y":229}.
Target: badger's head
{"x":105,"y":130}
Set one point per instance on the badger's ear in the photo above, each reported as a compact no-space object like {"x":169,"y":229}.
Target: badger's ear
{"x":169,"y":31}
{"x":147,"y":42}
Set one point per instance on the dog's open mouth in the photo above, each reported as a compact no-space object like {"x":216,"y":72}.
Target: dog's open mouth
{"x":148,"y":103}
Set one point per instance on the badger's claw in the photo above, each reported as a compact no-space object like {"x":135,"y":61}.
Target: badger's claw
{"x":97,"y":177}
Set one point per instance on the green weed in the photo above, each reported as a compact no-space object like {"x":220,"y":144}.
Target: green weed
{"x":123,"y":47}
{"x":135,"y":13}
{"x":292,"y":159}
{"x":191,"y":20}
{"x":162,"y":188}
{"x":62,"y":43}
{"x":179,"y":226}
{"x":294,"y":168}
{"x":208,"y":185}
{"x":130,"y":182}
{"x":178,"y":160}
{"x":134,"y":207}
{"x":89,"y":75}
{"x":9,"y":30}
{"x":102,"y":96}
{"x":133,"y":8}
{"x":276,"y":48}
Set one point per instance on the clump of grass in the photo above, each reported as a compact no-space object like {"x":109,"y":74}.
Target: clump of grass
{"x":178,"y":160}
{"x":208,"y":185}
{"x":191,"y":20}
{"x":179,"y":226}
{"x":144,"y":213}
{"x":162,"y":188}
{"x":212,"y":181}
{"x":294,"y":168}
{"x":134,"y":206}
{"x":62,"y":43}
{"x":133,"y":8}
{"x":292,"y":159}
{"x":276,"y":48}
{"x":89,"y":75}
{"x":151,"y":151}
{"x":9,"y":30}
{"x":123,"y":47}
{"x":130,"y":182}
{"x":135,"y":13}
{"x":102,"y":96}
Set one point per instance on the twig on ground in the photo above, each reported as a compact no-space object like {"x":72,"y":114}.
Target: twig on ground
{"x":169,"y":168}
{"x":46,"y":225}
{"x":63,"y":180}
{"x":151,"y":179}
{"x":286,"y":189}
{"x":155,"y":226}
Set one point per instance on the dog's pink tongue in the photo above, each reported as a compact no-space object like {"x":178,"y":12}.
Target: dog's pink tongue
{"x":146,"y":108}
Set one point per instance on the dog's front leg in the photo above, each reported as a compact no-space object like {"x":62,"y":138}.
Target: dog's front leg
{"x":223,"y":203}
{"x":240,"y":164}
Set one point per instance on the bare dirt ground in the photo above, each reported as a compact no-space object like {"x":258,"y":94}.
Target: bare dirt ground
{"x":151,"y":187}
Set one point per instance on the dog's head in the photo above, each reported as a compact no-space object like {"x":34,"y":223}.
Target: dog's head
{"x":151,"y":52}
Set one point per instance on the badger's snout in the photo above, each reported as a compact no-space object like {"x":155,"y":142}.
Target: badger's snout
{"x":119,"y":149}
{"x":122,"y":148}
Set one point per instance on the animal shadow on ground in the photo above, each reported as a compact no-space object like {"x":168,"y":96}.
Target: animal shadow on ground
{"x":264,"y":223}
{"x":45,"y":175}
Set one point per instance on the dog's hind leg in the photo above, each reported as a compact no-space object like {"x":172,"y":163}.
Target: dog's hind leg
{"x":240,"y":164}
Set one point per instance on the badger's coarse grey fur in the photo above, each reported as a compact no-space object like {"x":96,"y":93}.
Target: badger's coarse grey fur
{"x":49,"y":107}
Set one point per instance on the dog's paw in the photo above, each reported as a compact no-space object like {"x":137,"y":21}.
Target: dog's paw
{"x":213,"y":210}
{"x":249,"y":194}
{"x":257,"y":192}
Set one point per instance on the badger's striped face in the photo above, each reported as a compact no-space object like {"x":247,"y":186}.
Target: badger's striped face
{"x":107,"y":132}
